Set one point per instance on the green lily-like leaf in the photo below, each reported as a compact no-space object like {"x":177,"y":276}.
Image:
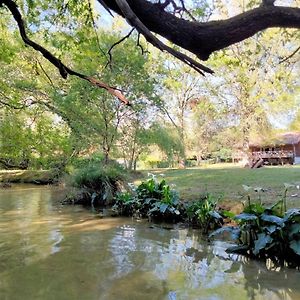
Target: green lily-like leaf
{"x":294,"y":229}
{"x":228,"y":214}
{"x":255,"y":208}
{"x":262,"y":241}
{"x":277,"y":208}
{"x":295,"y":246}
{"x":272,"y":219}
{"x":246,"y":217}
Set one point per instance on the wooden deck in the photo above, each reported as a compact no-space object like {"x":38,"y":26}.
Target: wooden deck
{"x":274,"y":157}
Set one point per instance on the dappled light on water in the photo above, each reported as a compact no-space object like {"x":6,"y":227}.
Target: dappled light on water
{"x":49,"y":251}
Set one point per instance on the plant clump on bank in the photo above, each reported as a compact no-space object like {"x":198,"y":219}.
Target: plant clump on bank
{"x":97,"y":184}
{"x":266,"y":232}
{"x":159,"y":201}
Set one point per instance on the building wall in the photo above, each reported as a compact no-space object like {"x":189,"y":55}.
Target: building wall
{"x":297,"y":149}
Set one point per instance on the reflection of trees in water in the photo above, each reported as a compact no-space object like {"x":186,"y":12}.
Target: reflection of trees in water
{"x":209,"y":267}
{"x":136,"y":261}
{"x":25,"y":229}
{"x":188,"y":267}
{"x":267,"y":277}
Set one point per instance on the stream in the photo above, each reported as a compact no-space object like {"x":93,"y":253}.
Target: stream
{"x":51,"y":251}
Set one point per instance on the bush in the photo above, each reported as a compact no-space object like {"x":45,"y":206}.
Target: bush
{"x":100,"y":183}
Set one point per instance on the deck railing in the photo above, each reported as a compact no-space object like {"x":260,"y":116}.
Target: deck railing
{"x":273,"y":154}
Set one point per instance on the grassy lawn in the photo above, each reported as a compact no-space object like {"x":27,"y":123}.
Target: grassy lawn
{"x":227,"y":180}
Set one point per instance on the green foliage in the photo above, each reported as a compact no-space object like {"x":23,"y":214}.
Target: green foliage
{"x":267,"y":232}
{"x":100,"y":182}
{"x":152,"y":198}
{"x":204,"y":213}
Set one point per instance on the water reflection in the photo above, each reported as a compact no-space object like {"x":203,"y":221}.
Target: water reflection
{"x":48,"y":251}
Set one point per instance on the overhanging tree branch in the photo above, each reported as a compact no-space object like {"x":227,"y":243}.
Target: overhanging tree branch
{"x":117,"y":43}
{"x":133,"y":19}
{"x":203,"y":38}
{"x":290,"y":56}
{"x":63,"y":69}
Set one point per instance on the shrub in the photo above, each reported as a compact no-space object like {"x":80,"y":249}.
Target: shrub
{"x":100,"y":183}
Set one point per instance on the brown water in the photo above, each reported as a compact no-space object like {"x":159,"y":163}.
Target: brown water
{"x":49,"y":251}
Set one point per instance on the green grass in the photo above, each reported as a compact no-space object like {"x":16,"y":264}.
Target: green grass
{"x":227,"y":180}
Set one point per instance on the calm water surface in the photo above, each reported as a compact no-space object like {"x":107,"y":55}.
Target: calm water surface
{"x":49,"y":251}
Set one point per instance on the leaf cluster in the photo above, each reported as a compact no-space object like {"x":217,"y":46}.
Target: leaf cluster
{"x":152,"y":198}
{"x":266,"y":232}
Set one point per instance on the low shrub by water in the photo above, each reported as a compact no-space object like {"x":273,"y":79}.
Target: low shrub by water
{"x":98,"y":183}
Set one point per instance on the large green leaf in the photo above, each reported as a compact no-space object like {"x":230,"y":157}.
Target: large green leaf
{"x":239,"y":249}
{"x":246,"y":217}
{"x":262,"y":241}
{"x":295,"y":246}
{"x":291,"y":213}
{"x":163,"y":207}
{"x":294,"y":229}
{"x":272,"y":219}
{"x":271,"y":229}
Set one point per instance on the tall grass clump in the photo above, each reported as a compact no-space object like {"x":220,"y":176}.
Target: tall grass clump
{"x":98,"y":183}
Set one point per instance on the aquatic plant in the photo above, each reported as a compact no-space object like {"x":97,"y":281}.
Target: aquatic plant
{"x":152,"y":198}
{"x":266,"y":232}
{"x":203,"y":213}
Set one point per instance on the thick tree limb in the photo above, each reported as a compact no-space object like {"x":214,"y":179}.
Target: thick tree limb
{"x":63,"y":69}
{"x":203,"y":39}
{"x":135,"y":22}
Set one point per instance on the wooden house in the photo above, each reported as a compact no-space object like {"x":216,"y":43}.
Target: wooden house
{"x":283,"y":149}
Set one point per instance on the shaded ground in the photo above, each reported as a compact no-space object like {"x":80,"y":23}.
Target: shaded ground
{"x":227,"y":180}
{"x":28,"y":176}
